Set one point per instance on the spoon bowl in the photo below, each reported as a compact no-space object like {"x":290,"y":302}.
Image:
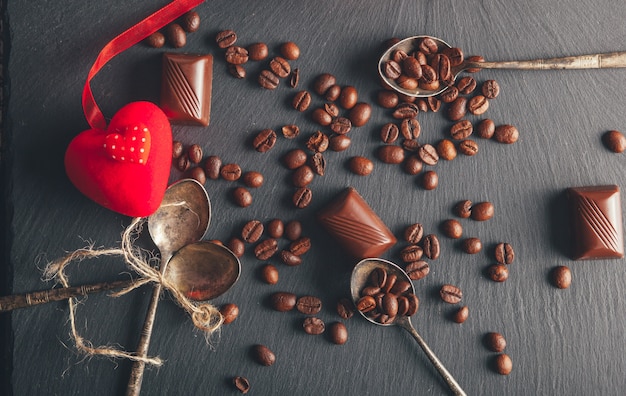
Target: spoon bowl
{"x":358,"y":281}
{"x":410,"y":44}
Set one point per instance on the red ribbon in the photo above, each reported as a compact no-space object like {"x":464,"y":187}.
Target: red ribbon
{"x":119,"y":44}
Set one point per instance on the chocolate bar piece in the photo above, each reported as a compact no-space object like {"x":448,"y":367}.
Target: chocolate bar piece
{"x":355,"y":225}
{"x":186,"y":85}
{"x":596,"y":222}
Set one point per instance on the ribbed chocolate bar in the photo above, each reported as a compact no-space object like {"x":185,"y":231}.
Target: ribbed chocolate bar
{"x":356,"y":226}
{"x":596,"y":213}
{"x":186,"y":85}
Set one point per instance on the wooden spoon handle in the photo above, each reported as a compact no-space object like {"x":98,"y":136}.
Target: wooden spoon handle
{"x":9,"y":303}
{"x":593,"y":61}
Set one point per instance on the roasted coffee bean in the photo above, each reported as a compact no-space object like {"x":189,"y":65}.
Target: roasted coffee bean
{"x":405,"y":110}
{"x":371,"y":291}
{"x":293,"y":230}
{"x":309,"y":305}
{"x":457,"y":109}
{"x":478,"y":105}
{"x":410,"y":128}
{"x":252,"y":231}
{"x":300,"y":246}
{"x":266,"y":249}
{"x":389,"y":133}
{"x":242,"y":197}
{"x":446,"y":149}
{"x":323,"y":82}
{"x":408,"y":83}
{"x":302,"y":197}
{"x":413,"y":165}
{"x":360,"y":114}
{"x":176,"y":35}
{"x":411,"y":145}
{"x":506,"y":134}
{"x":399,"y":55}
{"x":317,"y":162}
{"x":471,"y":245}
{"x":468,"y":147}
{"x":361,"y":166}
{"x":156,"y":40}
{"x":485,"y":129}
{"x":195,"y":153}
{"x":183,"y":163}
{"x":237,"y":71}
{"x":258,"y":51}
{"x":441,"y":64}
{"x":504,"y":253}
{"x":387,"y":99}
{"x":280,"y":67}
{"x":390,"y":154}
{"x":366,"y":304}
{"x":236,"y":55}
{"x":295,"y":159}
{"x":177,"y":149}
{"x":290,"y":259}
{"x":241,"y":384}
{"x":392,"y":69}
{"x":301,"y":101}
{"x":430,"y":78}
{"x":463,"y":209}
{"x":332,"y":109}
{"x":197,"y":173}
{"x":474,"y":58}
{"x":413,"y":304}
{"x":263,"y":355}
{"x":212,"y":167}
{"x":498,"y":272}
{"x":275,"y":228}
{"x":561,"y":277}
{"x":428,"y":154}
{"x":290,"y":50}
{"x":431,"y":247}
{"x":313,"y":325}
{"x":614,"y":141}
{"x":391,"y":280}
{"x":414,"y":233}
{"x":190,"y":21}
{"x":390,"y":304}
{"x":449,"y":95}
{"x":461,"y":130}
{"x":290,"y":131}
{"x":454,"y":54}
{"x":302,"y":176}
{"x":349,"y":97}
{"x":229,"y":312}
{"x":268,"y":80}
{"x":490,"y":89}
{"x":264,"y":140}
{"x":225,"y":38}
{"x":345,"y":308}
{"x":269,"y":274}
{"x":434,"y":104}
{"x":495,"y":342}
{"x":333,"y":93}
{"x":283,"y":301}
{"x":428,"y":46}
{"x":430,"y":180}
{"x":450,"y":294}
{"x":317,"y":142}
{"x":412,"y":67}
{"x":378,"y":277}
{"x":466,"y":85}
{"x":452,"y":228}
{"x":421,"y":103}
{"x":338,"y":333}
{"x":482,"y":211}
{"x":461,"y":315}
{"x":294,"y":79}
{"x":502,"y":364}
{"x":400,"y":287}
{"x":236,"y":246}
{"x":340,"y":125}
{"x":411,"y":253}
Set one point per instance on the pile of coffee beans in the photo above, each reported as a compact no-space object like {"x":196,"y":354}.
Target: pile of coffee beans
{"x":386,"y":297}
{"x":418,"y":247}
{"x":175,"y":33}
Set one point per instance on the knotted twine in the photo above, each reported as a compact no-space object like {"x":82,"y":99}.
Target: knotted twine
{"x":205,"y":316}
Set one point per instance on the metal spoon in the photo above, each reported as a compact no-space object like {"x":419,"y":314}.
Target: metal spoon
{"x":409,"y":45}
{"x":359,"y":278}
{"x":182,"y":218}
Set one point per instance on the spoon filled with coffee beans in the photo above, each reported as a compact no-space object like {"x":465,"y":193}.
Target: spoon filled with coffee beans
{"x":423,"y":66}
{"x":384,"y":295}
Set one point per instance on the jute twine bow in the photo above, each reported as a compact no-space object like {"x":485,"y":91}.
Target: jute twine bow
{"x":205,"y":316}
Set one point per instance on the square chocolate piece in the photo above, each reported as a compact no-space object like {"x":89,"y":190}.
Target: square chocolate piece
{"x":596,"y":222}
{"x":186,"y":85}
{"x":355,"y":225}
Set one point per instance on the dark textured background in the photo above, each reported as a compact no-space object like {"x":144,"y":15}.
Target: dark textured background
{"x":561,"y":342}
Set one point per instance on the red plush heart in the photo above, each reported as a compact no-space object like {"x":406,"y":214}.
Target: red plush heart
{"x":126,"y":167}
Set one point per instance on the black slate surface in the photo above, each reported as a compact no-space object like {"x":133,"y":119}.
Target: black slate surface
{"x":561,"y":341}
